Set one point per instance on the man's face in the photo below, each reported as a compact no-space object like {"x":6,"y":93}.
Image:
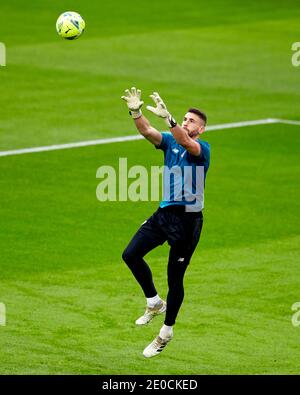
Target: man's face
{"x":193,"y":124}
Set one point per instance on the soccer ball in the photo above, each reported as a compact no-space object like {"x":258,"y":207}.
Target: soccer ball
{"x":70,"y":25}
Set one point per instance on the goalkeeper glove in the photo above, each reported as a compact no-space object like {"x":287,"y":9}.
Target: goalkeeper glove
{"x":161,"y":110}
{"x":134,"y":103}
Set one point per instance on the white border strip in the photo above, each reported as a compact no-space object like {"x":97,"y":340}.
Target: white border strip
{"x":139,"y":137}
{"x":70,"y":145}
{"x":289,"y":122}
{"x":242,"y":124}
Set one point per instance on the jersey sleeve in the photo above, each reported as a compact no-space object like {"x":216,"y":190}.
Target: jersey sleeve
{"x":205,"y":150}
{"x":166,"y":140}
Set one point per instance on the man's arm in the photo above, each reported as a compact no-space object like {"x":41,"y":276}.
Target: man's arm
{"x":181,"y":136}
{"x":148,"y":131}
{"x":134,"y":103}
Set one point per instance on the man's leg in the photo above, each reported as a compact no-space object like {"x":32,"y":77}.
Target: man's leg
{"x":177,"y":265}
{"x":182,"y":248}
{"x":179,"y":258}
{"x":133,"y":255}
{"x":146,"y":239}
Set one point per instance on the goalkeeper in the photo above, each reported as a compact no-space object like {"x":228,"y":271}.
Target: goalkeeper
{"x":177,"y":221}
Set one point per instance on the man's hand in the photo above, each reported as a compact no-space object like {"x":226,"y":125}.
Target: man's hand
{"x":161,"y":110}
{"x":134,"y":103}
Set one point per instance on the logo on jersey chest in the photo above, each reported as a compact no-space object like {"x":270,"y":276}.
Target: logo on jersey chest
{"x":176,"y":150}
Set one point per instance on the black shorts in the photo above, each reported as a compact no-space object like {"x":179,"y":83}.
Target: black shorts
{"x":172,"y":224}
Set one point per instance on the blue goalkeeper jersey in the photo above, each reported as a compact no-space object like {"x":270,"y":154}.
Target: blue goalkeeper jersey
{"x":183,"y":174}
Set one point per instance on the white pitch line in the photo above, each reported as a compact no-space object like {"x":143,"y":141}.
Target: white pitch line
{"x":242,"y":124}
{"x":70,"y":145}
{"x":139,"y":137}
{"x":288,"y":122}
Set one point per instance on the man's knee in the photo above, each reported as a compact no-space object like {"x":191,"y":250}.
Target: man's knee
{"x":125,"y":255}
{"x":176,"y":284}
{"x":128,"y":255}
{"x":176,"y":272}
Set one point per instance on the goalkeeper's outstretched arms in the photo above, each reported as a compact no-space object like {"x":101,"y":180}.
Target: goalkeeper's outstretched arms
{"x":181,"y":135}
{"x":134,"y":103}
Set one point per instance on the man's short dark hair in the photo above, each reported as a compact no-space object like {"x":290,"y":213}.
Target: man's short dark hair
{"x":199,"y":113}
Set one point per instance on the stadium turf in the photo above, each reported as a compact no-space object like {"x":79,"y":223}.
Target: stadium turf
{"x":71,"y":302}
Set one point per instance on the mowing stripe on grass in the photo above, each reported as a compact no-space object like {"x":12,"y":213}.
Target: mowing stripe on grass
{"x":139,"y":137}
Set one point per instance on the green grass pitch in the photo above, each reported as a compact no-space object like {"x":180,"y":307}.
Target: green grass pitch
{"x":71,"y":302}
